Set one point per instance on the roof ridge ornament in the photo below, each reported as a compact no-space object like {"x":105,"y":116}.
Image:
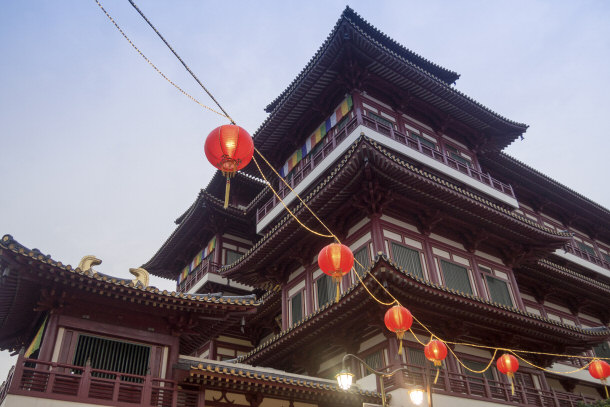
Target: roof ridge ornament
{"x":87,"y":262}
{"x":141,"y":275}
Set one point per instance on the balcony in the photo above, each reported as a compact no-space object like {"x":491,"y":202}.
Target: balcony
{"x":56,"y":381}
{"x":584,"y":259}
{"x":206,"y":266}
{"x":312,"y":166}
{"x":479,"y":388}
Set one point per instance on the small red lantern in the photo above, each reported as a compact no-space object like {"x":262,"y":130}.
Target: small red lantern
{"x":600,"y":369}
{"x":508,"y":365}
{"x":336,"y":260}
{"x":436,"y":352}
{"x":229,"y":148}
{"x":398,"y":319}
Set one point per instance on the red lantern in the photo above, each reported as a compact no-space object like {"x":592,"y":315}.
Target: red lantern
{"x":600,"y":370}
{"x":398,"y":319}
{"x":508,"y":365}
{"x":436,"y":352}
{"x":336,"y":260}
{"x":229,"y":148}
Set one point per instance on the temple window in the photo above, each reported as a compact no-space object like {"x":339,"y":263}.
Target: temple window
{"x":602,"y":350}
{"x":407,"y":259}
{"x":456,"y":277}
{"x":374,"y":360}
{"x":112,"y":355}
{"x":416,"y":357}
{"x":231,"y":256}
{"x":498,"y":287}
{"x":586,"y":248}
{"x":379,"y":119}
{"x":362,"y":257}
{"x":296,"y":308}
{"x":458,"y":156}
{"x":325,"y":290}
{"x":489,"y":374}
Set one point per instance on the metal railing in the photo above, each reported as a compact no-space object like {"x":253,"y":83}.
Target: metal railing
{"x":336,"y":136}
{"x":206,"y":266}
{"x":480,"y":388}
{"x":65,"y":382}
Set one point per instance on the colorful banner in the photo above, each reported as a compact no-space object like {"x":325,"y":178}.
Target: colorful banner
{"x":316,"y":137}
{"x":35,"y":345}
{"x":205,"y":252}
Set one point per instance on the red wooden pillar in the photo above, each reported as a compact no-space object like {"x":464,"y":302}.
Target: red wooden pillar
{"x":217,"y":257}
{"x":146,"y":390}
{"x":377,"y":234}
{"x":516,"y":292}
{"x":85,"y":382}
{"x":308,"y":292}
{"x":284,"y":308}
{"x":48,"y":340}
{"x":478,"y":278}
{"x":430,"y":264}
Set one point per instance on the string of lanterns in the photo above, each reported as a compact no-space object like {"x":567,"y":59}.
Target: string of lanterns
{"x":230,"y":148}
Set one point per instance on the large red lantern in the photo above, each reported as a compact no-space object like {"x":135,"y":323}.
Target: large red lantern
{"x":398,"y":319}
{"x":508,"y":365}
{"x":600,"y":370}
{"x":229,"y":148}
{"x":436,"y":352}
{"x":336,"y":260}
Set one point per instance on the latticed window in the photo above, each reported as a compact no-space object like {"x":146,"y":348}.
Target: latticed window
{"x":326,"y":289}
{"x":407,"y":259}
{"x":602,"y":350}
{"x":586,"y":248}
{"x":374,"y":360}
{"x":455,"y":154}
{"x":296,"y":308}
{"x":456,"y":277}
{"x":362,"y":257}
{"x":424,"y":141}
{"x":108,"y":354}
{"x":416,"y":357}
{"x":606,"y":257}
{"x":232,"y":256}
{"x":379,"y":119}
{"x":478,"y":366}
{"x":498,"y":291}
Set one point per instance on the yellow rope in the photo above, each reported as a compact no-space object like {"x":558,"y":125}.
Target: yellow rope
{"x":394,"y":301}
{"x":282,"y":201}
{"x":295,"y":194}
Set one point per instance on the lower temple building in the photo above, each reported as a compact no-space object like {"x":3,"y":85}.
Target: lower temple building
{"x":376,"y":145}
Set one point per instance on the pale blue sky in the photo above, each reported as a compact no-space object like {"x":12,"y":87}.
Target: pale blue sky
{"x":99,"y":154}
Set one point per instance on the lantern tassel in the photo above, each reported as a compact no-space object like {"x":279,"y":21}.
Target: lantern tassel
{"x":605,"y":387}
{"x":438,"y":365}
{"x":338,"y":291}
{"x":512,"y":383}
{"x":227,"y":189}
{"x":400,"y":335}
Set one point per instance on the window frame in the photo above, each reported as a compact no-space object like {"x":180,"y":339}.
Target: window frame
{"x":485,"y":271}
{"x":469,"y":274}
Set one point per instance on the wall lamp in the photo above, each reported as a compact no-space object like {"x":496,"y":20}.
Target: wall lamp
{"x":345,"y":379}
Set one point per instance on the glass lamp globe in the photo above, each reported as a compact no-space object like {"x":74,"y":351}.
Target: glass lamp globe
{"x":416,"y":395}
{"x":344,"y":379}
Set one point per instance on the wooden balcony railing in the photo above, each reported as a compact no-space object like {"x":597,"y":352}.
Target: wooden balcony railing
{"x":206,"y":266}
{"x":65,"y":382}
{"x":336,"y":136}
{"x":583,"y":254}
{"x":479,"y":388}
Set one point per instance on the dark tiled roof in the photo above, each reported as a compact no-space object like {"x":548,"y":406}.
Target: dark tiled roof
{"x":351,"y":17}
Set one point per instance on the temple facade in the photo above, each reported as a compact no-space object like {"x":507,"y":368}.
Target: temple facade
{"x":377,"y":147}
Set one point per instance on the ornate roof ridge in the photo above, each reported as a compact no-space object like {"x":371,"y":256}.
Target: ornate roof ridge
{"x":273,"y":375}
{"x":554,"y":182}
{"x":565,"y":270}
{"x":9,"y":243}
{"x":380,"y":257}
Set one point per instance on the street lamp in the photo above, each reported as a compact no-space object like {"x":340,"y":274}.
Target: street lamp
{"x":345,"y":379}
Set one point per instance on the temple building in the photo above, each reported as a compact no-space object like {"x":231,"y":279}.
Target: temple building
{"x":378,"y":147}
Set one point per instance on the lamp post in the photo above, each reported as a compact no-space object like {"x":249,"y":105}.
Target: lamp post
{"x":345,"y":378}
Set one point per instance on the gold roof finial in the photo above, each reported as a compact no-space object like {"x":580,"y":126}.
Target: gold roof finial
{"x":87,"y":262}
{"x":141,"y":276}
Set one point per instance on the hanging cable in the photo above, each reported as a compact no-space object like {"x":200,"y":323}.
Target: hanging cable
{"x":181,"y":61}
{"x":155,"y":67}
